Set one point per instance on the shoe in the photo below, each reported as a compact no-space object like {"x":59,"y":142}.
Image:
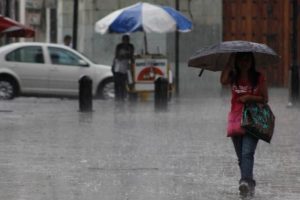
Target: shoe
{"x":244,"y":188}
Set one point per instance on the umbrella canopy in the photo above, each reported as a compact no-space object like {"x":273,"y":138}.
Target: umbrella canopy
{"x":12,"y":28}
{"x":144,"y":17}
{"x":215,"y":57}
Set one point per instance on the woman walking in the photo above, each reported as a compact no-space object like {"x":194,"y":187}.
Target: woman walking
{"x":247,"y":85}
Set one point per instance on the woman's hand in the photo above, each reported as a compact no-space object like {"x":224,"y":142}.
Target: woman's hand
{"x":225,"y":79}
{"x":244,"y":99}
{"x":251,"y":98}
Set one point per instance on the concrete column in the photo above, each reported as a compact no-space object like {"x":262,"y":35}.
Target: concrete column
{"x":22,"y":14}
{"x":48,"y":21}
{"x":64,"y":19}
{"x":60,"y":21}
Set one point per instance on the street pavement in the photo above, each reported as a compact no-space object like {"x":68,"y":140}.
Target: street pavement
{"x":131,"y":151}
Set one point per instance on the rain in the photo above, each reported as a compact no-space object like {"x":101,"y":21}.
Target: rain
{"x":50,"y":150}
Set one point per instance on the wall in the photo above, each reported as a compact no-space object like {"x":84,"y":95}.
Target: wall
{"x":64,"y":19}
{"x":11,"y":5}
{"x":207,"y":20}
{"x":267,"y":22}
{"x":206,"y":16}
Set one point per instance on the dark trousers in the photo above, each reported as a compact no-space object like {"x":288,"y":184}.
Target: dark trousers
{"x":245,"y":149}
{"x":120,"y":80}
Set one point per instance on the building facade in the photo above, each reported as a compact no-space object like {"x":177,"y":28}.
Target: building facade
{"x":205,"y":14}
{"x":266,"y":22}
{"x":41,"y":15}
{"x":53,"y":19}
{"x":214,"y":20}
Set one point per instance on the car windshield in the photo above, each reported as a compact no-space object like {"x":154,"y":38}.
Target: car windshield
{"x":93,"y":61}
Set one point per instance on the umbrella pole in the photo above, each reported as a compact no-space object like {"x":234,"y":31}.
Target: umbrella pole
{"x":145,"y":42}
{"x":177,"y":5}
{"x":294,"y":68}
{"x":75,"y":24}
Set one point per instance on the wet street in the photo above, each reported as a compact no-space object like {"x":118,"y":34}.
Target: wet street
{"x":50,"y":151}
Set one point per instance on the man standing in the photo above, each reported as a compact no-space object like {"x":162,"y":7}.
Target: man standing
{"x":121,"y":64}
{"x":68,"y":41}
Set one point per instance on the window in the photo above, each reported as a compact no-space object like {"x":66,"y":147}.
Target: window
{"x":63,"y":57}
{"x":32,"y":54}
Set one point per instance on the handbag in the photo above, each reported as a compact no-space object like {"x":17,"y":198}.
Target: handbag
{"x":259,"y":121}
{"x":234,"y":124}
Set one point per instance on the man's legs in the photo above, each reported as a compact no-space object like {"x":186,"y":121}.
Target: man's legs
{"x":118,"y":83}
{"x":123,"y":84}
{"x":120,"y":80}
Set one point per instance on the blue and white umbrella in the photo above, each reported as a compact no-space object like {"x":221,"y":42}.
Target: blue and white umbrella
{"x":144,"y":17}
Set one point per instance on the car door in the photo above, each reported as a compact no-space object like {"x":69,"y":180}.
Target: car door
{"x":28,"y":62}
{"x":65,"y":71}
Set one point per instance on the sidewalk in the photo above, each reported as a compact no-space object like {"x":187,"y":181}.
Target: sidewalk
{"x":49,"y":150}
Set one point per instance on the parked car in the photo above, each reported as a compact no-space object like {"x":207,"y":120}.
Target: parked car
{"x":31,"y":68}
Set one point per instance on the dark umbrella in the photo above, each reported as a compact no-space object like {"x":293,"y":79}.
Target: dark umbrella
{"x":215,"y":57}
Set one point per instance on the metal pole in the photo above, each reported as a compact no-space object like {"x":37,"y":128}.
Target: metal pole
{"x":7,"y":14}
{"x":7,"y":8}
{"x":177,"y":7}
{"x":145,"y":43}
{"x":75,"y":23}
{"x":294,"y":67}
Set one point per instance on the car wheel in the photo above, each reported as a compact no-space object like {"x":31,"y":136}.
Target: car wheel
{"x":107,"y":89}
{"x":7,"y":89}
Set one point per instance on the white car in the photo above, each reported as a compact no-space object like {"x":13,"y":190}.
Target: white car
{"x":32,"y":68}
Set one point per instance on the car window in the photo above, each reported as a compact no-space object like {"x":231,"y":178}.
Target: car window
{"x":61,"y":56}
{"x":90,"y":59}
{"x":32,"y":54}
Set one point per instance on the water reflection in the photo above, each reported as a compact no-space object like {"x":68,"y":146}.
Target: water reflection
{"x":85,"y":117}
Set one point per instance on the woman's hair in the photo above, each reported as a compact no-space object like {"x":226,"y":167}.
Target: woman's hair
{"x":253,"y":75}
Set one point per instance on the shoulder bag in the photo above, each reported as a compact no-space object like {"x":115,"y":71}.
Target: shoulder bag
{"x":258,"y":120}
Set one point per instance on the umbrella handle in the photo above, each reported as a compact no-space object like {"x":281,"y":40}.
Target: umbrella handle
{"x":201,"y":72}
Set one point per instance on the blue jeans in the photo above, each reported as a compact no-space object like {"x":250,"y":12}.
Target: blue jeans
{"x":245,"y":149}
